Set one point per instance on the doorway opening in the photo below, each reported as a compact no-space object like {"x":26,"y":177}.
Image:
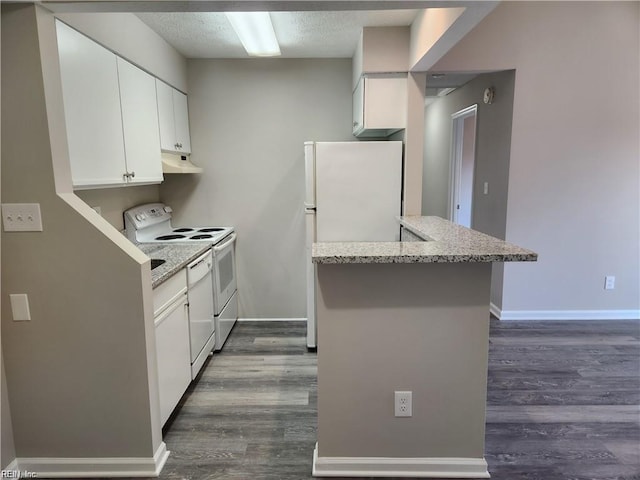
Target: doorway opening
{"x":463,"y":161}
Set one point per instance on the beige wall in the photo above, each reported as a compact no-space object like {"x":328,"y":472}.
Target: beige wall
{"x":85,"y":361}
{"x":249,"y":119}
{"x":395,"y":327}
{"x":7,"y":450}
{"x":574,"y":171}
{"x":114,"y":201}
{"x":435,"y":30}
{"x":381,"y":50}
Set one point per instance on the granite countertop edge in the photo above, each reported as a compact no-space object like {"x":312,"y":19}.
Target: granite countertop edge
{"x":176,"y":256}
{"x":444,"y":242}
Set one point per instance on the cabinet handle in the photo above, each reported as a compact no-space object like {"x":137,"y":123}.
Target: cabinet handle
{"x":132,"y":174}
{"x":179,"y":145}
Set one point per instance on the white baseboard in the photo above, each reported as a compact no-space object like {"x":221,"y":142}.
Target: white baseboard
{"x":272,"y":319}
{"x":564,"y":314}
{"x":93,"y":467}
{"x":399,"y":467}
{"x":495,"y":311}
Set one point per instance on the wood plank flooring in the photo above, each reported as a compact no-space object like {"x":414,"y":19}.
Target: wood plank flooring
{"x":563,"y":403}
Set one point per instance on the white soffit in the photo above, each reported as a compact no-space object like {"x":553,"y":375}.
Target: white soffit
{"x":311,"y":34}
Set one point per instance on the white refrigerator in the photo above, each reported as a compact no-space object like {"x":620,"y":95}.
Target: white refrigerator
{"x":353,"y":194}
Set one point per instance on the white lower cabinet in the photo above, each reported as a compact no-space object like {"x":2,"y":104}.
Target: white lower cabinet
{"x":172,"y":341}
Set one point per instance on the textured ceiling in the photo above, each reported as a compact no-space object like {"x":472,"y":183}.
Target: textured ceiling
{"x":300,"y":34}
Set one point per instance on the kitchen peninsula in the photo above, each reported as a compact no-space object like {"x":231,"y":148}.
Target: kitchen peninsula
{"x":405,"y":317}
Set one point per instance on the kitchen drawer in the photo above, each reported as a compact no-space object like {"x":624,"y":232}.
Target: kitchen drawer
{"x":166,"y":293}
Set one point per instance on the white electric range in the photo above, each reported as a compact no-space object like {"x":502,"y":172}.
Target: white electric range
{"x":151,"y":223}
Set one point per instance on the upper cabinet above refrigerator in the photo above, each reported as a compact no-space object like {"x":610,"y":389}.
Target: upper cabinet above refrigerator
{"x":380,"y":66}
{"x":380,"y":105}
{"x":174,"y":119}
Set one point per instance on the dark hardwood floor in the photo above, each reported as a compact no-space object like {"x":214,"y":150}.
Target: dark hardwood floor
{"x":563,"y":403}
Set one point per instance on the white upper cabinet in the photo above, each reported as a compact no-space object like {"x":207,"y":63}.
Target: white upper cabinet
{"x":174,"y":119}
{"x":110,"y":113}
{"x":140,"y":124}
{"x":380,"y":65}
{"x":379,"y":106}
{"x":92,"y":110}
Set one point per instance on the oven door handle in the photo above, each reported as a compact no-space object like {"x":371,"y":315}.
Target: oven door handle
{"x":219,"y":248}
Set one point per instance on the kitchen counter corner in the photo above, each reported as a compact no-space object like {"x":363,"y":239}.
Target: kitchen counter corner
{"x":444,"y":242}
{"x":175,"y":255}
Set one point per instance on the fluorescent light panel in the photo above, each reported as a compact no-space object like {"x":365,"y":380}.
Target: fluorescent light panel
{"x":256,"y":33}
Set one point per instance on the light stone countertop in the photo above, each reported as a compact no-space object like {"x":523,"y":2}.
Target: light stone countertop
{"x":445,"y":242}
{"x":176,"y":256}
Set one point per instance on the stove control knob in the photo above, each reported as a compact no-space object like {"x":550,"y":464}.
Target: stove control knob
{"x":168,"y":209}
{"x":139,"y":217}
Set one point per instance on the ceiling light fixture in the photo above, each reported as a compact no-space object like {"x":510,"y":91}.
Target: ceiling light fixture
{"x":256,"y":33}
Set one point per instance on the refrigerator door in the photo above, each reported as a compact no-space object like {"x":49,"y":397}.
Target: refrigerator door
{"x":309,"y":174}
{"x":358,"y":191}
{"x":310,"y":220}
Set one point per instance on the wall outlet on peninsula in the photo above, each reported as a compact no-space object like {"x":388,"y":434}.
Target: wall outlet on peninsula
{"x":609,"y":282}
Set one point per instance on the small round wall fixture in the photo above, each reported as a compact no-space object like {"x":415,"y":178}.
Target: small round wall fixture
{"x":489,"y":95}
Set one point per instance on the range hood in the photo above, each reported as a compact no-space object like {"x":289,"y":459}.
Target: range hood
{"x":172,"y":163}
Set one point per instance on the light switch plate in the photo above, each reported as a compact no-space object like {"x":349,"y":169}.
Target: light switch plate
{"x":21,"y":217}
{"x":20,"y":307}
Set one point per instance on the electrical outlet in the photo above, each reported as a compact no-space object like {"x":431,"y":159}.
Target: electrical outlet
{"x":609,"y":282}
{"x":486,"y":188}
{"x":402,"y":405}
{"x":21,"y":217}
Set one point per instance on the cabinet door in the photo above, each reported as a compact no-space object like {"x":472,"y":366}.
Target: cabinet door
{"x":181,"y":115}
{"x":140,"y":124}
{"x":92,"y":109}
{"x":173,"y":356}
{"x":385,"y":103}
{"x":358,"y":106}
{"x":166,"y":117}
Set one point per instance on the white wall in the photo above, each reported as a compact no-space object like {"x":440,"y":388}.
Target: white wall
{"x":574,"y":172}
{"x":249,"y":119}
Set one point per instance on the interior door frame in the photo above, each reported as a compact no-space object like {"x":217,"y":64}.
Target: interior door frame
{"x":457,"y":132}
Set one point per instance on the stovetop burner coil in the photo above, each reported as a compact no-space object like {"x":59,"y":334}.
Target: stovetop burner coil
{"x":170,"y":237}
